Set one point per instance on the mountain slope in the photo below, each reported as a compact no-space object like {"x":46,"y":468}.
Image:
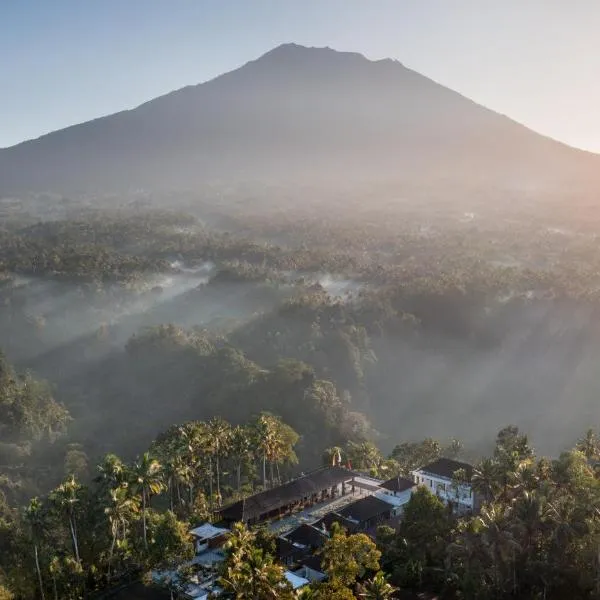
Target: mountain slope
{"x":295,"y":114}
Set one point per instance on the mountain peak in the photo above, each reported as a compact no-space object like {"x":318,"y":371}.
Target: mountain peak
{"x":296,"y":113}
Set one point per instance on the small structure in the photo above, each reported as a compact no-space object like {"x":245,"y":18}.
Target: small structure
{"x":295,"y":580}
{"x":440,"y":478}
{"x":287,"y":553}
{"x":312,"y":575}
{"x":208,"y":536}
{"x":307,"y":536}
{"x":326,"y":523}
{"x":397,"y":491}
{"x":368,"y":512}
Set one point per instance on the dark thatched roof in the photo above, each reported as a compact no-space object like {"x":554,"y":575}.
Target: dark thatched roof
{"x":307,"y":535}
{"x":330,"y":518}
{"x":446,"y":467}
{"x":262,"y":503}
{"x":398,"y":484}
{"x":365,"y":509}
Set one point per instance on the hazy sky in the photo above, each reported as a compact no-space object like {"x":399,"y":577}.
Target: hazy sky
{"x":67,"y":61}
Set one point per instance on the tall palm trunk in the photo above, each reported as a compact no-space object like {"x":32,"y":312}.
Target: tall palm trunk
{"x":74,"y":538}
{"x":217,"y":470}
{"x":239,"y":476}
{"x":264,"y":471}
{"x":210,"y":480}
{"x":271,"y":473}
{"x":144,"y":517}
{"x":39,"y":571}
{"x":112,"y":551}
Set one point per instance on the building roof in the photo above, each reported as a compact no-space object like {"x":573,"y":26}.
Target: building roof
{"x":446,"y":467}
{"x":366,"y":508}
{"x":283,"y":548}
{"x":398,"y":484}
{"x":208,"y":531}
{"x":333,"y":517}
{"x":296,"y":580}
{"x":313,"y":562}
{"x":288,"y":493}
{"x":307,"y":535}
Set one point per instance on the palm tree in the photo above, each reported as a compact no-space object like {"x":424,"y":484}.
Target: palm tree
{"x":377,"y":588}
{"x":34,"y":515}
{"x":248,"y":573}
{"x":275,"y":443}
{"x":121,"y":508}
{"x":65,"y":498}
{"x":111,"y":472}
{"x":499,"y":541}
{"x":147,"y":480}
{"x":485,"y":479}
{"x":218,"y":439}
{"x":589,"y":445}
{"x":240,"y":451}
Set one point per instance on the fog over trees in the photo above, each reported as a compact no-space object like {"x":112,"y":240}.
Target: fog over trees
{"x":205,"y":295}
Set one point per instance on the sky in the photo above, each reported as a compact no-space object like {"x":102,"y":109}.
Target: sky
{"x":67,"y":61}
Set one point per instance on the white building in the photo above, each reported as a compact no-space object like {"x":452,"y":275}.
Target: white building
{"x":439,"y":478}
{"x":397,"y":491}
{"x":208,"y":536}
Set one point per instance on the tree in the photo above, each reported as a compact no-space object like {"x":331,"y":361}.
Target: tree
{"x":35,"y":516}
{"x":422,"y":539}
{"x":248,"y":573}
{"x":275,"y":442}
{"x":147,"y":480}
{"x":112,"y":472}
{"x":364,"y":456}
{"x":377,"y":588}
{"x":500,"y":543}
{"x":120,"y":510}
{"x":510,"y":441}
{"x":412,"y":455}
{"x":485,"y":479}
{"x":218,"y":439}
{"x":65,"y":499}
{"x":589,"y":445}
{"x":348,"y":557}
{"x":171,"y":544}
{"x":240,"y":451}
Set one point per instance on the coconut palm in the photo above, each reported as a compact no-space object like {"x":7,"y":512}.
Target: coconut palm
{"x":485,"y":479}
{"x":218,"y":439}
{"x":35,"y":517}
{"x":121,"y":508}
{"x":111,"y":472}
{"x":589,"y":444}
{"x":65,"y":499}
{"x":499,"y":542}
{"x":248,"y":573}
{"x":146,"y":480}
{"x":377,"y":588}
{"x":240,"y":451}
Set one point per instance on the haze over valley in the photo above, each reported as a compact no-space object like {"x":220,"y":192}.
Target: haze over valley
{"x":435,"y":261}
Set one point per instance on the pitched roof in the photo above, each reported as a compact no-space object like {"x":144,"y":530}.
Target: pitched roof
{"x":398,"y":484}
{"x":307,"y":535}
{"x":208,"y":531}
{"x":269,"y":500}
{"x":313,"y":562}
{"x":330,"y":518}
{"x":283,"y":548}
{"x":446,"y":467}
{"x":366,"y":508}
